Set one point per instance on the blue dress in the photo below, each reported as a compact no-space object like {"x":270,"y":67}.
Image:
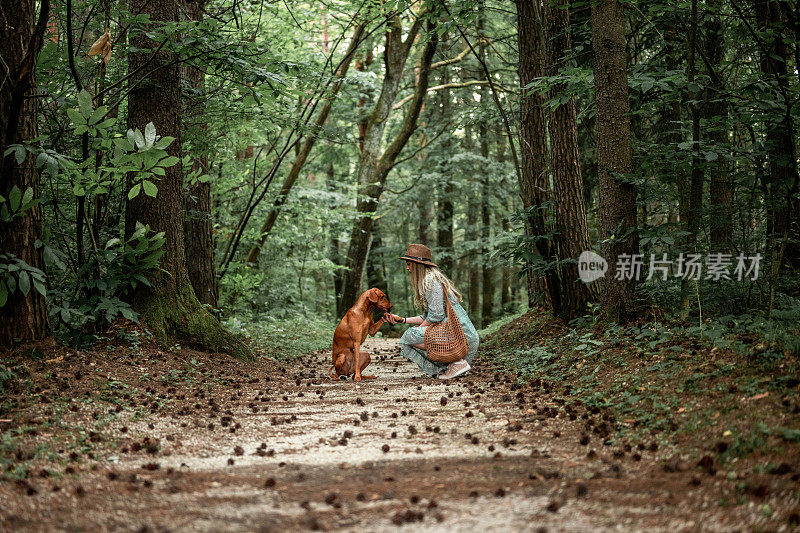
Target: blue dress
{"x":434,"y":313}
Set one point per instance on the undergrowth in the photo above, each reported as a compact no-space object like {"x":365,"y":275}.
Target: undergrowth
{"x":732,"y":379}
{"x":284,"y":338}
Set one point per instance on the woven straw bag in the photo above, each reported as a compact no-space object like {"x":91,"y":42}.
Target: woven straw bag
{"x":445,"y":342}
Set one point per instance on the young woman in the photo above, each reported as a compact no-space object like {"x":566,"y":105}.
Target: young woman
{"x":426,"y":280}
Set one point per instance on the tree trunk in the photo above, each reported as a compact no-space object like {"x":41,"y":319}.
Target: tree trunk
{"x":169,"y":307}
{"x":505,"y":282}
{"x":721,"y":182}
{"x":333,"y":247}
{"x":375,"y":277}
{"x":425,"y":205}
{"x":614,"y":157}
{"x":23,"y":318}
{"x":374,"y":165}
{"x":534,"y":184}
{"x":444,"y":212}
{"x":199,"y":242}
{"x":571,"y":226}
{"x":695,"y":193}
{"x":487,"y":271}
{"x":303,"y":151}
{"x":784,"y":207}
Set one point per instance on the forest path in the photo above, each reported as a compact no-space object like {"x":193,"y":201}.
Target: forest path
{"x":494,"y":457}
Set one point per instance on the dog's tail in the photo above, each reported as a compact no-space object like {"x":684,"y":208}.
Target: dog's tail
{"x":330,"y":372}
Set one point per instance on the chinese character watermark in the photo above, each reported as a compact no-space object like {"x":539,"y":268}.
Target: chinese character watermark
{"x":717,"y":266}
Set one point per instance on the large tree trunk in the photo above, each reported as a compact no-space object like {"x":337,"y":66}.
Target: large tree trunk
{"x":169,"y":307}
{"x":784,"y":207}
{"x":534,"y":184}
{"x":571,"y":225}
{"x":23,"y":318}
{"x":721,"y":180}
{"x":374,"y":164}
{"x":303,"y":151}
{"x":614,"y":157}
{"x":198,"y":238}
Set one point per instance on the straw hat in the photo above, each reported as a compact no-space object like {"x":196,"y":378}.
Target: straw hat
{"x":419,"y":253}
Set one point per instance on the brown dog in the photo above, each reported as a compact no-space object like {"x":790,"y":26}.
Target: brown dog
{"x":348,"y":358}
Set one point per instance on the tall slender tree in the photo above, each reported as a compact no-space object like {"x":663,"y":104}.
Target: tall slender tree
{"x":23,"y":316}
{"x":570,"y":209}
{"x":618,"y":231}
{"x":198,"y":238}
{"x":694,"y":196}
{"x":782,"y":177}
{"x":169,"y":305}
{"x":487,"y":271}
{"x":720,"y":179}
{"x":375,"y":162}
{"x":303,"y":151}
{"x":534,"y":184}
{"x":444,"y":190}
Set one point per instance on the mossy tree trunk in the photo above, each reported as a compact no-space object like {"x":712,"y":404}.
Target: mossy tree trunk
{"x":169,"y":307}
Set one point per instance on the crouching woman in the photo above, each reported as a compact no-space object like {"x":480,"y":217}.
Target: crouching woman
{"x":426,"y":281}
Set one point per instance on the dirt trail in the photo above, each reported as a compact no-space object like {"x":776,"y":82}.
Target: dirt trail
{"x":292,"y":450}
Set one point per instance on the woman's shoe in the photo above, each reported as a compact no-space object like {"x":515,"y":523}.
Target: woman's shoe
{"x":454,"y":370}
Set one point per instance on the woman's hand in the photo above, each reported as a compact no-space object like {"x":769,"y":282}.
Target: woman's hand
{"x":392,"y":319}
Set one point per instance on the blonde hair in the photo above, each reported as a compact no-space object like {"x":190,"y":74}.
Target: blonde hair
{"x":423,"y":277}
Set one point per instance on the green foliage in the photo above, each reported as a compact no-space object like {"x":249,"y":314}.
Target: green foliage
{"x":16,"y":274}
{"x":123,"y":266}
{"x":284,"y":338}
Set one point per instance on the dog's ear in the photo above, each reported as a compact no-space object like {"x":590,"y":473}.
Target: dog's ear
{"x":372,"y":295}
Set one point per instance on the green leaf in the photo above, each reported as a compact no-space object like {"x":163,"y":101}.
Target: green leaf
{"x":19,"y":153}
{"x":168,"y":161}
{"x":150,"y":188}
{"x":15,"y":197}
{"x":138,"y":138}
{"x":24,"y":282}
{"x":39,"y":286}
{"x":75,"y":116}
{"x":85,"y":103}
{"x":647,"y":84}
{"x":97,"y":115}
{"x":3,"y":294}
{"x":163,"y":142}
{"x":150,"y":134}
{"x":27,"y":197}
{"x":134,"y":192}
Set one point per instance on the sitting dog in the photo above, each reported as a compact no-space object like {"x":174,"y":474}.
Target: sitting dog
{"x":358,"y":322}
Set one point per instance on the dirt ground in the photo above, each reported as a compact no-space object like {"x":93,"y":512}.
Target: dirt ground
{"x":275,"y":446}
